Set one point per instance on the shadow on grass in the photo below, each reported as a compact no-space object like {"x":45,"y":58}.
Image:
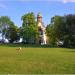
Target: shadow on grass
{"x":32,"y":46}
{"x":28,"y":45}
{"x":71,"y":51}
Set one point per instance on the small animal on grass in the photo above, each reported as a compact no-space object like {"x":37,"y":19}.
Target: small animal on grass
{"x":19,"y":49}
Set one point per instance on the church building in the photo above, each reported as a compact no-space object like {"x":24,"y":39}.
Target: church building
{"x":41,"y":29}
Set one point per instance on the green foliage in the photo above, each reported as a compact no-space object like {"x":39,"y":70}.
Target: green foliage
{"x":58,"y":26}
{"x":69,"y":37}
{"x":8,"y":29}
{"x":62,"y":28}
{"x":29,"y":28}
{"x":51,"y":35}
{"x":12,"y":34}
{"x":54,"y":30}
{"x":5,"y":23}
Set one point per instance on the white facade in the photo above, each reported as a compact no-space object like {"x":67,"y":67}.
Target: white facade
{"x":42,"y":31}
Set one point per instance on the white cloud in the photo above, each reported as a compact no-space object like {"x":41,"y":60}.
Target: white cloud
{"x":67,"y":1}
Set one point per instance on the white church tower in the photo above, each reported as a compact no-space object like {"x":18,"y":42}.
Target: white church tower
{"x":41,"y":28}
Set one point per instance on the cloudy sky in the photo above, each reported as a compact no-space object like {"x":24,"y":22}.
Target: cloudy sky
{"x":48,"y":8}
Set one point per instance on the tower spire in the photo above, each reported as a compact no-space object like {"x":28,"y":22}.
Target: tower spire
{"x":39,"y":18}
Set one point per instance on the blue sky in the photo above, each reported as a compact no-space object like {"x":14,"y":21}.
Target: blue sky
{"x":48,"y":8}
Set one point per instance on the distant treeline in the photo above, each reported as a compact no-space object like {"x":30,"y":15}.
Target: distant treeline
{"x":60,"y":31}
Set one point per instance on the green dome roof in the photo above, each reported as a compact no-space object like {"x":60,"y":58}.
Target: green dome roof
{"x":39,"y":14}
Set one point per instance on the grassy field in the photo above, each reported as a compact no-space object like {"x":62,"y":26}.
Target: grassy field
{"x":37,"y":60}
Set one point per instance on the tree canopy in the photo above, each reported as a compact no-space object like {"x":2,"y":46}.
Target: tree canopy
{"x":62,"y":28}
{"x":29,"y":28}
{"x":12,"y":34}
{"x":8,"y":29}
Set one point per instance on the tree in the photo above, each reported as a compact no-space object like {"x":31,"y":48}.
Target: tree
{"x":51,"y":35}
{"x":12,"y":34}
{"x":55,"y":29}
{"x":5,"y":23}
{"x":62,"y":28}
{"x":69,"y":36}
{"x":29,"y":28}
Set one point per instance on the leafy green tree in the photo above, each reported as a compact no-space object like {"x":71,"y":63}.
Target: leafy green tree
{"x":58,"y":26}
{"x":29,"y":28}
{"x":62,"y":28}
{"x":51,"y":35}
{"x":12,"y":34}
{"x":55,"y":29}
{"x":69,"y":35}
{"x":5,"y":23}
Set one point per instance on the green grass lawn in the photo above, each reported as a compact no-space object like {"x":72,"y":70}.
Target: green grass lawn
{"x":37,"y":60}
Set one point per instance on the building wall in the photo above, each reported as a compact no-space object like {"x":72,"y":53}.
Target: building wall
{"x":41,"y":29}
